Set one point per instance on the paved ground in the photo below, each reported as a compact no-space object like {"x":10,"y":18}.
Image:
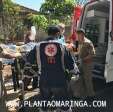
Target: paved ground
{"x":12,"y":98}
{"x":105,"y":95}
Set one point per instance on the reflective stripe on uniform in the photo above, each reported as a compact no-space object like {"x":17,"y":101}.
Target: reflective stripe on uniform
{"x":62,"y":59}
{"x":38,"y":58}
{"x":38,"y":54}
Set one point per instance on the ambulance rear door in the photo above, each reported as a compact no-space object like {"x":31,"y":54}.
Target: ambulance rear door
{"x":109,"y":56}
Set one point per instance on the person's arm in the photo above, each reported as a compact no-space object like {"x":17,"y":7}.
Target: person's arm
{"x":70,"y":63}
{"x":6,"y":52}
{"x":31,"y":57}
{"x":10,"y":55}
{"x":91,"y":53}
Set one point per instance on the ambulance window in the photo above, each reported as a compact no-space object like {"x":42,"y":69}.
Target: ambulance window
{"x":96,"y":22}
{"x":106,"y":32}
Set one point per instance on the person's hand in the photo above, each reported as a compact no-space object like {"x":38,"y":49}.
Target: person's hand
{"x":69,"y":46}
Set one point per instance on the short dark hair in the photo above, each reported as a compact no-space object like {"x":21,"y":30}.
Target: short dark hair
{"x":27,"y":37}
{"x":53,"y":30}
{"x":81,"y":30}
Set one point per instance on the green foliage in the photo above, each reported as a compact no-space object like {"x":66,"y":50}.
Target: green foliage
{"x":54,"y":22}
{"x":39,"y":21}
{"x":58,"y":9}
{"x":19,"y":29}
{"x":10,"y":19}
{"x":10,"y":8}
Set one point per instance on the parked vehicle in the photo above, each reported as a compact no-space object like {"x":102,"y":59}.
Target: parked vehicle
{"x":97,"y":20}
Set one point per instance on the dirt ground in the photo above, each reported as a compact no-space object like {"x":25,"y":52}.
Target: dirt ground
{"x":7,"y":76}
{"x":11,"y":96}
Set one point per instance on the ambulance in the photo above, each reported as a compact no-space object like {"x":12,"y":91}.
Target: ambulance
{"x":97,"y":20}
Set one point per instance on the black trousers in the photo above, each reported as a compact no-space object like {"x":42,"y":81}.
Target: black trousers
{"x":56,"y":94}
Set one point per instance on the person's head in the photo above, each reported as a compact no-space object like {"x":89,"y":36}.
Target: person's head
{"x":81,"y":35}
{"x":9,"y":40}
{"x":62,"y":28}
{"x":53,"y":31}
{"x":27,"y":37}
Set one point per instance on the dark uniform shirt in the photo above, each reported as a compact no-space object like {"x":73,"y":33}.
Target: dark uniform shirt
{"x":52,"y":59}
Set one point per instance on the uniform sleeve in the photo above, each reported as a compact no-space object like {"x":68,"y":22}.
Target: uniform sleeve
{"x":70,"y":63}
{"x":31,"y":57}
{"x":91,"y":49}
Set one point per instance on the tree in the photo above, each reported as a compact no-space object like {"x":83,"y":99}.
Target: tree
{"x":39,"y":21}
{"x":10,"y":8}
{"x":10,"y":18}
{"x":54,"y":22}
{"x":58,"y":9}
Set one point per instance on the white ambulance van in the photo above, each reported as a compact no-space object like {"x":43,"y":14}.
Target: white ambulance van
{"x":97,"y":20}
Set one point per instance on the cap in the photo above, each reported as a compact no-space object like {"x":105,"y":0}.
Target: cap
{"x":81,"y":30}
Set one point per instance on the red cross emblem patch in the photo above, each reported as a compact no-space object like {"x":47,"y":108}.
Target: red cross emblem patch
{"x":51,"y":50}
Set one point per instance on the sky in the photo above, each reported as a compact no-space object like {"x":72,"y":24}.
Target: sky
{"x":33,"y":4}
